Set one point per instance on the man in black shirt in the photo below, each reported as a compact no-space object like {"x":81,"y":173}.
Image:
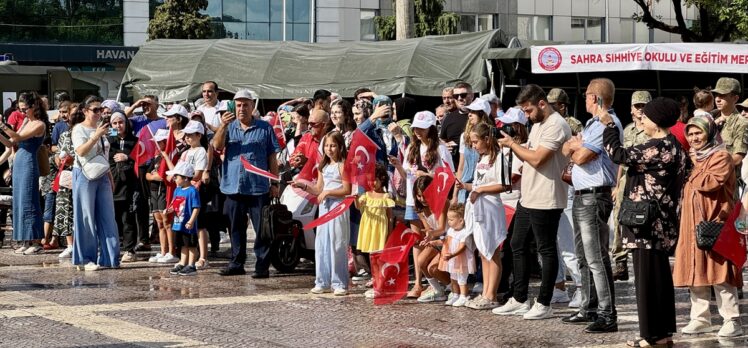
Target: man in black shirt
{"x":454,"y":122}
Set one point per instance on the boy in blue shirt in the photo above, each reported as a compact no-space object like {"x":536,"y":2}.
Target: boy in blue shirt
{"x":185,"y":206}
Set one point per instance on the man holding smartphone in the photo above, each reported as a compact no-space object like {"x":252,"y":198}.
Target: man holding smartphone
{"x":454,"y":122}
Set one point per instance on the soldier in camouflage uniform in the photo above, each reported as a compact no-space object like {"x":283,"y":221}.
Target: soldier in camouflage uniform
{"x":633,"y":134}
{"x":559,"y":100}
{"x":734,"y":127}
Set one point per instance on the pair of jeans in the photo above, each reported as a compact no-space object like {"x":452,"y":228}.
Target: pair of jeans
{"x":95,"y":236}
{"x":49,"y":207}
{"x":331,"y":248}
{"x":238,"y":208}
{"x":567,"y":254}
{"x":543,"y":224}
{"x":126,"y":225}
{"x":591,"y":235}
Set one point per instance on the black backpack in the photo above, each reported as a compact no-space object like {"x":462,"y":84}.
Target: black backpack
{"x":276,"y":219}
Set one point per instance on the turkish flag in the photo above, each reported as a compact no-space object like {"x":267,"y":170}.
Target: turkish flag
{"x":277,"y":124}
{"x":390,"y":278}
{"x":170,"y":150}
{"x":401,"y":235}
{"x":361,"y":161}
{"x":509,"y":213}
{"x":144,"y":149}
{"x":257,"y":171}
{"x":731,"y":244}
{"x":333,"y":213}
{"x":438,"y":190}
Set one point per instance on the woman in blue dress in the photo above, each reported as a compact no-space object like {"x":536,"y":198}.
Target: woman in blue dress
{"x":27,"y":213}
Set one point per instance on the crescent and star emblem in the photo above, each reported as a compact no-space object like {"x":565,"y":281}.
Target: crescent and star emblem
{"x":387,"y":264}
{"x":362,"y":149}
{"x":408,"y":231}
{"x":443,"y":186}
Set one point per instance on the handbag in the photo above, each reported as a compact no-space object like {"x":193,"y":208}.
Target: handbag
{"x":66,"y":179}
{"x":707,"y":232}
{"x":637,"y":213}
{"x":95,"y":167}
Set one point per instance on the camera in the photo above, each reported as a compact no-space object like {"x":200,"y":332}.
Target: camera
{"x":508,"y":129}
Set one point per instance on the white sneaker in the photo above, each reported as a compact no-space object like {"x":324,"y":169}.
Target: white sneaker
{"x":697,"y":327}
{"x":34,"y":249}
{"x":371,"y":293}
{"x":451,"y":299}
{"x":431,"y":295}
{"x":576,"y":299}
{"x":67,"y":253}
{"x":477,"y":288}
{"x":512,"y":307}
{"x":538,"y":311}
{"x":154,"y":258}
{"x":460,"y":302}
{"x":340,"y":292}
{"x":317,"y":290}
{"x":560,"y":296}
{"x":225,"y":238}
{"x":168,"y":258}
{"x":730,"y":328}
{"x":91,"y":267}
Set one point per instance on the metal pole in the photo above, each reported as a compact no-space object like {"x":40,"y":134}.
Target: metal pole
{"x":284,"y":20}
{"x":607,"y":22}
{"x":313,"y":20}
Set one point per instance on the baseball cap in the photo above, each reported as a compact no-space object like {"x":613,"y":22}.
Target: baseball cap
{"x":514,"y":115}
{"x":161,"y":135}
{"x":424,"y":120}
{"x":491,"y":98}
{"x":194,"y":127}
{"x":480,"y":105}
{"x":558,"y":95}
{"x":183,"y":169}
{"x":640,"y":97}
{"x":245,"y":94}
{"x":727,"y":85}
{"x":177,"y":109}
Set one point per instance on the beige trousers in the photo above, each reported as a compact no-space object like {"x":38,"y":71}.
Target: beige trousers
{"x":727,"y":302}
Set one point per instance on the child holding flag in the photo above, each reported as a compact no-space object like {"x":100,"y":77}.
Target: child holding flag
{"x":331,"y":242}
{"x":185,"y":206}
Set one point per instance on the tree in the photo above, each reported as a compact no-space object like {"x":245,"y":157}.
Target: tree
{"x":719,"y":20}
{"x":180,"y":19}
{"x":403,"y":19}
{"x":429,"y":20}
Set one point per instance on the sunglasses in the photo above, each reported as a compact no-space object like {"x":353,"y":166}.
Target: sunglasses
{"x":315,"y":124}
{"x":23,"y":110}
{"x":96,"y":110}
{"x":460,"y":95}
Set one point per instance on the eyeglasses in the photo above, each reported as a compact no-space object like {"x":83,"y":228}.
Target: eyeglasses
{"x":96,"y":110}
{"x":315,"y":124}
{"x":639,"y":106}
{"x":23,"y":110}
{"x":460,"y":95}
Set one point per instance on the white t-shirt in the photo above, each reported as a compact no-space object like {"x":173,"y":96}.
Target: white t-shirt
{"x":411,"y":169}
{"x":542,"y":188}
{"x":212,"y":117}
{"x":80,"y":136}
{"x":197,"y":157}
{"x":489,"y":173}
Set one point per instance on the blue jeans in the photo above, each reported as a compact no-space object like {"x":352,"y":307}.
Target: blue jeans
{"x":591,"y":233}
{"x":49,"y":207}
{"x":94,"y":231}
{"x":331,"y":249}
{"x":238,"y":208}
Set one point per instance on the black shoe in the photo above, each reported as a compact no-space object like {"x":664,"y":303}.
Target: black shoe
{"x":621,"y":272}
{"x":602,"y":326}
{"x":178,"y":268}
{"x":188,"y":271}
{"x":142,"y":247}
{"x":577,"y":318}
{"x":232,"y":271}
{"x":264,"y":275}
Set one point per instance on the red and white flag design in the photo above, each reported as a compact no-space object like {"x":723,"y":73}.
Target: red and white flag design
{"x":257,"y":171}
{"x":332,"y":214}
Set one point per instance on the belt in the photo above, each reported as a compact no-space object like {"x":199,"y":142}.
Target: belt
{"x":599,"y":189}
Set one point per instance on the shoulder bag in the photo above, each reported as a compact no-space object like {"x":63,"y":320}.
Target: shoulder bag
{"x":95,"y":167}
{"x":707,"y":232}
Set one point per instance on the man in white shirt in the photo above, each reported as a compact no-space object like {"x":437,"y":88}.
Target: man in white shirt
{"x":210,"y":106}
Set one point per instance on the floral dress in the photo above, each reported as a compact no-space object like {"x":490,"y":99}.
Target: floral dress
{"x":64,"y":202}
{"x":656,"y":171}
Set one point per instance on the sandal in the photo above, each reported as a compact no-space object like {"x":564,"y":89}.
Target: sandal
{"x":201,"y":264}
{"x":415,"y":292}
{"x":641,"y":342}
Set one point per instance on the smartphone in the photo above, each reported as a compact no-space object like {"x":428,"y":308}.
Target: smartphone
{"x":112,"y":131}
{"x":231,"y":106}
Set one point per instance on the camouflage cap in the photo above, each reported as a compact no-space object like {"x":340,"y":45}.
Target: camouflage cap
{"x":742,"y":106}
{"x":641,"y":97}
{"x":557,"y":95}
{"x":727,"y":85}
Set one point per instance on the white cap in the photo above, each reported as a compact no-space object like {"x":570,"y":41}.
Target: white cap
{"x":423,"y":119}
{"x":182,"y":168}
{"x":480,"y":105}
{"x":491,"y":98}
{"x":194,"y":127}
{"x":514,"y":115}
{"x":245,"y":94}
{"x":177,"y":109}
{"x":161,"y":135}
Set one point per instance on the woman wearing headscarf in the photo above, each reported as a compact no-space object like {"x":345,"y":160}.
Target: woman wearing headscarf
{"x":656,"y":169}
{"x":121,"y":164}
{"x":707,"y":196}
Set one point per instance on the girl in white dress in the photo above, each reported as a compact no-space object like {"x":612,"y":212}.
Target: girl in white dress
{"x":458,"y":255}
{"x":484,"y":211}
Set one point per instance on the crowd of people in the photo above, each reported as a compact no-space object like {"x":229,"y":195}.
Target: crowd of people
{"x":535,"y":191}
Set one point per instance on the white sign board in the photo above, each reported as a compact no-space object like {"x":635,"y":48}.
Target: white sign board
{"x":709,"y":57}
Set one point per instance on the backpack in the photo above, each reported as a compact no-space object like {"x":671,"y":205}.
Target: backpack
{"x":276,"y":218}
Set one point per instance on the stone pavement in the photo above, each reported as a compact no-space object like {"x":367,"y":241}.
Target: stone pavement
{"x":45,"y":302}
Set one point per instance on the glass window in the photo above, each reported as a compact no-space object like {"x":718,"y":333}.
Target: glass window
{"x":301,"y":32}
{"x":467,"y":23}
{"x":300,"y":11}
{"x":276,"y":31}
{"x":257,"y":10}
{"x":534,"y":27}
{"x":368,"y":31}
{"x":594,"y":29}
{"x":641,"y":33}
{"x":485,"y":22}
{"x":214,"y":10}
{"x":235,"y":30}
{"x":276,"y":10}
{"x":577,"y":29}
{"x":258,"y":31}
{"x":627,"y":31}
{"x":234,"y":11}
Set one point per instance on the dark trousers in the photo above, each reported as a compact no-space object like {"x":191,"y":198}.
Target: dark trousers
{"x":507,"y":256}
{"x":126,"y":225}
{"x":143,"y":211}
{"x":655,"y":296}
{"x":239,"y":208}
{"x":543,"y":225}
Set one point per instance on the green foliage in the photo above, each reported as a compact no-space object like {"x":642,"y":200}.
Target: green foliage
{"x":429,"y":20}
{"x":718,"y":20}
{"x":180,"y":19}
{"x":63,"y":22}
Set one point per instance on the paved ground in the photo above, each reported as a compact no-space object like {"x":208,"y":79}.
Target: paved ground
{"x":48,"y":303}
